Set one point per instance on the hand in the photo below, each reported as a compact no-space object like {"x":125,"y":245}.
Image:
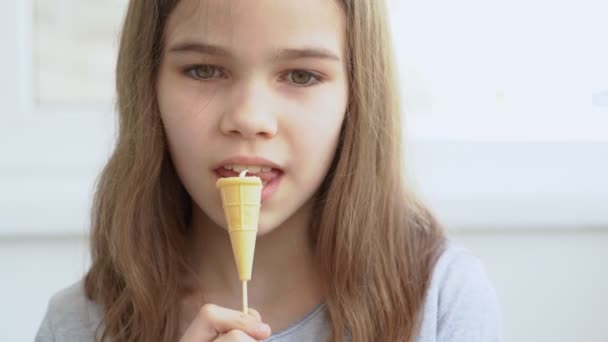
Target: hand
{"x":218,"y":324}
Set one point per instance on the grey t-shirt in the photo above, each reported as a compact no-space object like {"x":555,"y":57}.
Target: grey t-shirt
{"x":461,"y":306}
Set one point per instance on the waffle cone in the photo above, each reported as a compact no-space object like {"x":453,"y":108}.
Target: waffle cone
{"x":241,"y":200}
{"x":243,"y":248}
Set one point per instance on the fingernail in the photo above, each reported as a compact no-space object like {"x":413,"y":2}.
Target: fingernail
{"x":263,"y":327}
{"x":254,"y":313}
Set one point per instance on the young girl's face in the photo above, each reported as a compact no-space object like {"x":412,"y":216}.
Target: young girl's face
{"x":262,"y":78}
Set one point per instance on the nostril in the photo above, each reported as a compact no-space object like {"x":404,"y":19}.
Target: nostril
{"x":249,"y":125}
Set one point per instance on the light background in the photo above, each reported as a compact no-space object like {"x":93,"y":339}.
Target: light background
{"x":507,"y":140}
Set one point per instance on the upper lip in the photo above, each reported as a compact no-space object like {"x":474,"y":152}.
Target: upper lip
{"x":245,"y":160}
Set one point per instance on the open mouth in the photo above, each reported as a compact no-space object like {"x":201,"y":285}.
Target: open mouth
{"x":271,"y":178}
{"x":266,"y":175}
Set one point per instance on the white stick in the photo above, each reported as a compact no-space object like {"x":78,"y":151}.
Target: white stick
{"x":245,"y":308}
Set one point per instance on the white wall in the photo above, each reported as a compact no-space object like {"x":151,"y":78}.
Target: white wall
{"x":507,"y":114}
{"x":552,"y":284}
{"x":33,"y":268}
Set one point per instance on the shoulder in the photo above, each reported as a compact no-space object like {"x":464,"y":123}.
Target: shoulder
{"x":461,"y":303}
{"x":70,"y":316}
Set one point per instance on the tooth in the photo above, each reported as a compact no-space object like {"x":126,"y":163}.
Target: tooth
{"x":254,"y":169}
{"x":250,"y":168}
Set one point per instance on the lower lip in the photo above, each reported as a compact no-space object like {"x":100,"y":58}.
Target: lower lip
{"x":269,"y":188}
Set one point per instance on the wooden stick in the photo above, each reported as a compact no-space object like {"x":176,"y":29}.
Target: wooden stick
{"x":245,"y":308}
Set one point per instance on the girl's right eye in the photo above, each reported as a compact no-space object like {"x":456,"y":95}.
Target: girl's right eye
{"x":203,"y":72}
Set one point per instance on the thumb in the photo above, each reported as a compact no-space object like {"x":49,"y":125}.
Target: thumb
{"x":255,"y":313}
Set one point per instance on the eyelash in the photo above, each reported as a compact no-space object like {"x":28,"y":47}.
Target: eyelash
{"x":190,"y":72}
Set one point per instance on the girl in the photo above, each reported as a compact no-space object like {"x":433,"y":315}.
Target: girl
{"x":303,"y":94}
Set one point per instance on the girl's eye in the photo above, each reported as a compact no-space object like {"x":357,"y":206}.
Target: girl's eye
{"x":302,"y":77}
{"x":204,"y":72}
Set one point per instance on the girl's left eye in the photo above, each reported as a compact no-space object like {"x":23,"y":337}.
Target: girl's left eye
{"x":300,"y":78}
{"x":203,"y":72}
{"x":303,"y":78}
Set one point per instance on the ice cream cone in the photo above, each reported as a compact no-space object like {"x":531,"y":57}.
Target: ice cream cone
{"x":241,"y":199}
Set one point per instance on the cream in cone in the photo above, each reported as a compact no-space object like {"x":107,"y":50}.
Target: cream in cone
{"x":241,"y":199}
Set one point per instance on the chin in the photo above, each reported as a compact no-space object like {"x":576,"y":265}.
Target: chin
{"x":265,"y":229}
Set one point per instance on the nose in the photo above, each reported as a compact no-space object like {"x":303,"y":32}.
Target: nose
{"x":250,"y":113}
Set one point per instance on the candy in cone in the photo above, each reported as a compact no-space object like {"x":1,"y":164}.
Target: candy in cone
{"x":241,"y":199}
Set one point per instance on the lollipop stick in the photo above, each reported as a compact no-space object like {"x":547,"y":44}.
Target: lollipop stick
{"x":245,"y":308}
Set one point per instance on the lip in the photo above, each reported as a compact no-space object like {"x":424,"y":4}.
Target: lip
{"x":245,"y":160}
{"x":264,"y":176}
{"x":272,"y":178}
{"x":271,"y":186}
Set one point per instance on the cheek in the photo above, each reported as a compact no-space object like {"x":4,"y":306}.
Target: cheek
{"x":320,"y":124}
{"x":185,"y":112}
{"x":317,"y":131}
{"x":187,"y":121}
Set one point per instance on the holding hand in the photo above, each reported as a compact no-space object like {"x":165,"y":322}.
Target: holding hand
{"x":218,"y":324}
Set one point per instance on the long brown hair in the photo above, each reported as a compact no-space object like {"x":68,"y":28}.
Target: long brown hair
{"x":375,"y":244}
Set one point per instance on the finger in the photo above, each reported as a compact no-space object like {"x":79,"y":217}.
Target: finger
{"x":213,"y":320}
{"x":255,"y":313}
{"x":235,"y":336}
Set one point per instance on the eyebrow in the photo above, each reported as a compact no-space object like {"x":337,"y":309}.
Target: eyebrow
{"x":280,"y":55}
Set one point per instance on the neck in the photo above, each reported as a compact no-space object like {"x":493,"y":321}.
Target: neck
{"x":283,"y":273}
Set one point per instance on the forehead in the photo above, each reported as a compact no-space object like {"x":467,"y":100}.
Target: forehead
{"x":254,"y":26}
